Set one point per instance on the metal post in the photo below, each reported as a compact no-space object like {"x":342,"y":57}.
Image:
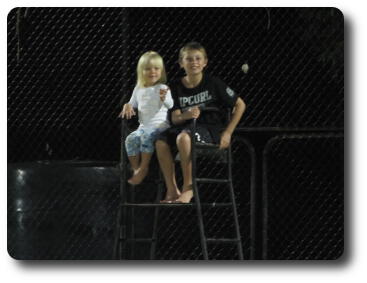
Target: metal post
{"x":196,"y":193}
{"x":153,"y":245}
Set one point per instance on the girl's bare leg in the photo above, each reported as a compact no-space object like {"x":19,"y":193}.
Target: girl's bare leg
{"x":167,"y":165}
{"x":142,"y":170}
{"x":184,"y":148}
{"x":134,"y":162}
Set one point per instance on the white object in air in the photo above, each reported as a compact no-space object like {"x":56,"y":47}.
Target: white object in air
{"x":245,"y":68}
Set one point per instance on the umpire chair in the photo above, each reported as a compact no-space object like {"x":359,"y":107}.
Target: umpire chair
{"x":125,"y":233}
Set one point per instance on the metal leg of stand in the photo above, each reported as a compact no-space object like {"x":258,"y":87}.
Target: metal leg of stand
{"x":153,"y":246}
{"x":233,"y":200}
{"x":117,"y":244}
{"x":196,"y":193}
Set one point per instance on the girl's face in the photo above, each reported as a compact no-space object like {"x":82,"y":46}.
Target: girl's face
{"x":193,"y":62}
{"x":152,"y":74}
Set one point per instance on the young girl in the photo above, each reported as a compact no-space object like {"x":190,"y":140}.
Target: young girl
{"x":152,"y":98}
{"x":195,"y":89}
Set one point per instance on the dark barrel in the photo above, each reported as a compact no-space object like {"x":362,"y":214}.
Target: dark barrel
{"x":62,"y":210}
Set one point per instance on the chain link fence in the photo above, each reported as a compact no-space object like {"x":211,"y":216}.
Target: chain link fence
{"x":69,"y":70}
{"x":304,"y":211}
{"x":69,"y":67}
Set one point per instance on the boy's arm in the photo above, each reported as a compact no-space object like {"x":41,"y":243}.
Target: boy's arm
{"x":238,"y":110}
{"x":179,"y":118}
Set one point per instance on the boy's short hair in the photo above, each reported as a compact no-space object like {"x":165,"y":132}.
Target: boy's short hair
{"x":192,"y":46}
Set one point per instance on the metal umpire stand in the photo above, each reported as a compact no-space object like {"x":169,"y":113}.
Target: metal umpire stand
{"x":125,"y":233}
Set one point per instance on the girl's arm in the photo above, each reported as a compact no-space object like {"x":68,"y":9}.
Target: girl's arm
{"x":166,"y":98}
{"x":237,"y":113}
{"x":127,"y":111}
{"x":168,"y":102}
{"x":128,"y":108}
{"x":134,"y":99}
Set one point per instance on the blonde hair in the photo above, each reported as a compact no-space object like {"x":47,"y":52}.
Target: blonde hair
{"x":192,"y":46}
{"x":150,"y":58}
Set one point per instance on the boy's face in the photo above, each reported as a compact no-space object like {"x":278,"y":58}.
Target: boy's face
{"x":193,"y":61}
{"x":152,"y":74}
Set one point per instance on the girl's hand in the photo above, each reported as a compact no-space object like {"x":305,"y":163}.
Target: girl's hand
{"x":162,"y":93}
{"x":225,"y":140}
{"x":127,"y":111}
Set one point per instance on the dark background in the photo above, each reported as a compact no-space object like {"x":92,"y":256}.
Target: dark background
{"x":70,"y":68}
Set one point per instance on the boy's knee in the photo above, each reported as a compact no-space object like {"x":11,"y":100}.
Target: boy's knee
{"x":183,"y":138}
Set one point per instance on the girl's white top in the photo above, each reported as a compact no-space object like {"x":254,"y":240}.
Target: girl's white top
{"x":151,"y":110}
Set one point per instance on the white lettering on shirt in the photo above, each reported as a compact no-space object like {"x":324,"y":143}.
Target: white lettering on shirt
{"x":195,"y":99}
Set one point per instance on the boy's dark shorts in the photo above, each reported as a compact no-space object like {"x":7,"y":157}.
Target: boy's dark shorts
{"x":204,"y":134}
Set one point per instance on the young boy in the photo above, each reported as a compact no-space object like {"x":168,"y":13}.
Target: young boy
{"x":196,"y":89}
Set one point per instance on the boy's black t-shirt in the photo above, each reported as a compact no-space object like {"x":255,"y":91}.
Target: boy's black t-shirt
{"x":211,"y":92}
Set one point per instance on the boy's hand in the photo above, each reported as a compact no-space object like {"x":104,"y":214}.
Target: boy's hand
{"x":163,"y":93}
{"x":225,"y":140}
{"x":192,"y":113}
{"x":127,"y":111}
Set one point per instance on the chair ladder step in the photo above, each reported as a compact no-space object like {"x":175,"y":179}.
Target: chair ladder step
{"x":140,"y":240}
{"x":222,"y":240}
{"x":206,"y":146}
{"x":212,"y":181}
{"x":212,"y":204}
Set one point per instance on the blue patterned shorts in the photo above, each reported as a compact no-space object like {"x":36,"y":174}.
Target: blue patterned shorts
{"x":141,"y":140}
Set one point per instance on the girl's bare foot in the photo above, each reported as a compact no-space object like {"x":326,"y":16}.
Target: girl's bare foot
{"x":171,"y":197}
{"x":138,"y":176}
{"x":186,"y":195}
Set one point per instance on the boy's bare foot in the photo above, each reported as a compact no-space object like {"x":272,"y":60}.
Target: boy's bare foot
{"x":171,"y":197}
{"x":138,"y":176}
{"x":186,"y":195}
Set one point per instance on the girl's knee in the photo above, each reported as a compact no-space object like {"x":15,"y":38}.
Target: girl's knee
{"x":147,"y":145}
{"x":132,"y":144}
{"x":130,"y":139}
{"x":146,"y":138}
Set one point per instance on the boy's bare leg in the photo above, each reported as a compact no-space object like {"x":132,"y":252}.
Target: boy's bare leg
{"x":167,"y":165}
{"x":184,"y":147}
{"x":142,"y":171}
